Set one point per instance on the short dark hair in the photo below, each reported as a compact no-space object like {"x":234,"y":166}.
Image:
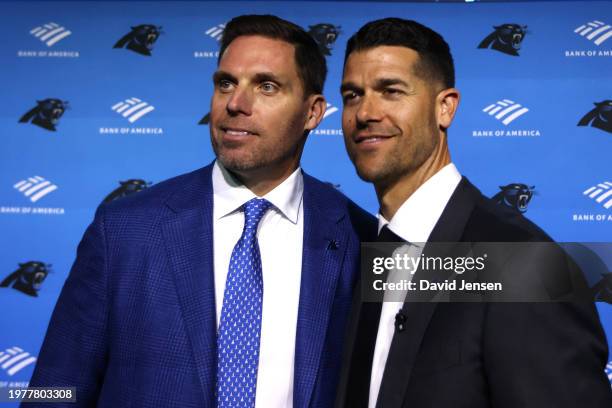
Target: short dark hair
{"x":309,"y":61}
{"x":435,"y":59}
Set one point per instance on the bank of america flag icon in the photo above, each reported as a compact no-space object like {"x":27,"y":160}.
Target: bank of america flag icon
{"x":50,"y":33}
{"x":601,"y":193}
{"x":132,"y":109}
{"x":14,"y":359}
{"x":216,"y":32}
{"x":506,"y":111}
{"x":35,"y":188}
{"x":595,"y":31}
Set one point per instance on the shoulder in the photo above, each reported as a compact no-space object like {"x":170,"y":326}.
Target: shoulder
{"x":533,"y":264}
{"x":330,"y":200}
{"x":152,"y":201}
{"x":491,"y":222}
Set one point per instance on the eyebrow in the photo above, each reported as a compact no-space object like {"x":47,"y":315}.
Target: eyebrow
{"x":258,"y":78}
{"x":349,"y":86}
{"x":385,"y":82}
{"x":267,"y":76}
{"x":219,"y":75}
{"x":378,"y":84}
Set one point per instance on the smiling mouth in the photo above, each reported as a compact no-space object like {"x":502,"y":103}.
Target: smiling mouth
{"x":237,"y":132}
{"x":370,"y":139}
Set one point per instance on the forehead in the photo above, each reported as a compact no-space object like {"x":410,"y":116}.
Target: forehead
{"x":253,"y":53}
{"x":381,"y":61}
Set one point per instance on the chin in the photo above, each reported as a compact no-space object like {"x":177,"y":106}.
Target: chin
{"x":367,"y":174}
{"x":238,"y":163}
{"x":233,"y":163}
{"x":367,"y":170}
{"x":376,"y":175}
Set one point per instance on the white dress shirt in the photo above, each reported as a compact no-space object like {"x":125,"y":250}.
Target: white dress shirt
{"x":280,"y":235}
{"x":413,"y":222}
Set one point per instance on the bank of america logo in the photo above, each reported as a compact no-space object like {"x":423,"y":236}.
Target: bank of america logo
{"x":14,"y":359}
{"x":596,"y":31}
{"x":601,"y":193}
{"x":35,"y":188}
{"x":506,"y":110}
{"x":132,"y":109}
{"x":216,"y":32}
{"x":50,"y":33}
{"x":329,"y":109}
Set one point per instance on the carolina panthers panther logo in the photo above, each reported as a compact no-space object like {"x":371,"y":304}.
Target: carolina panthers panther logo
{"x":28,"y":277}
{"x":506,"y":38}
{"x":600,"y":117}
{"x":325,"y":35}
{"x":140,"y":39}
{"x":205,"y":120}
{"x":515,"y":195}
{"x":46,"y":113}
{"x":603,"y":289}
{"x":126,"y":188}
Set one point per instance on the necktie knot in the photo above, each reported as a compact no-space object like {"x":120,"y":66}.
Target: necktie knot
{"x":254,"y":210}
{"x":386,"y":235}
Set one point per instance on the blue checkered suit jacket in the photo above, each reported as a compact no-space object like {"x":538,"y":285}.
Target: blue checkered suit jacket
{"x":135,"y":323}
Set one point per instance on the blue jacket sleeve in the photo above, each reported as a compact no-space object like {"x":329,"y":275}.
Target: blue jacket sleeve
{"x":74,"y":351}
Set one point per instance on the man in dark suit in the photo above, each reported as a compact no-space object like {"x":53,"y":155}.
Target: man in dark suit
{"x":229,"y":286}
{"x":399,"y":100}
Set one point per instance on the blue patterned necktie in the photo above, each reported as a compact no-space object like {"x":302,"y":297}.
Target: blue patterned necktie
{"x":240,"y":325}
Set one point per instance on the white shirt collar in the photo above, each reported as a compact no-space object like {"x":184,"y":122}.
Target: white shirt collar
{"x":230,"y":194}
{"x":418,"y":215}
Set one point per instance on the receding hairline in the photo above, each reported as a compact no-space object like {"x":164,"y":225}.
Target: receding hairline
{"x":298,"y":72}
{"x":267,"y":37}
{"x":309,"y":60}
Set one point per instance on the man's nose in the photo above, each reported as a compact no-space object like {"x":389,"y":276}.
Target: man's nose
{"x":240,"y":102}
{"x":368,"y":110}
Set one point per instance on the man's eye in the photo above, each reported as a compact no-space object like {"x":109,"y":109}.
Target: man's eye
{"x":348,"y":96}
{"x":392,"y":91}
{"x":268,"y":87}
{"x":224,"y":84}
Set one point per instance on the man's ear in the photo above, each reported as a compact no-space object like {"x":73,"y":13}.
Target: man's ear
{"x":316,"y":110}
{"x":447,"y":102}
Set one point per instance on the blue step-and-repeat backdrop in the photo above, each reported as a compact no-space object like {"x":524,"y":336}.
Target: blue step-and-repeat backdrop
{"x":104,"y":99}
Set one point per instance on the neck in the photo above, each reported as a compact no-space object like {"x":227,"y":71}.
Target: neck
{"x":264,"y":180}
{"x":391,"y":195}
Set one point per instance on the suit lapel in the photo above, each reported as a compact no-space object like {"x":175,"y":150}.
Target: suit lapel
{"x":324,"y":246}
{"x":406,"y":344}
{"x":456,"y":214}
{"x":356,"y":389}
{"x":365,"y":316}
{"x":188,"y":235}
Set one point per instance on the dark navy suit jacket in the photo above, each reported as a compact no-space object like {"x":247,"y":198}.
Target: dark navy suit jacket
{"x":135,"y":323}
{"x":484,"y":354}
